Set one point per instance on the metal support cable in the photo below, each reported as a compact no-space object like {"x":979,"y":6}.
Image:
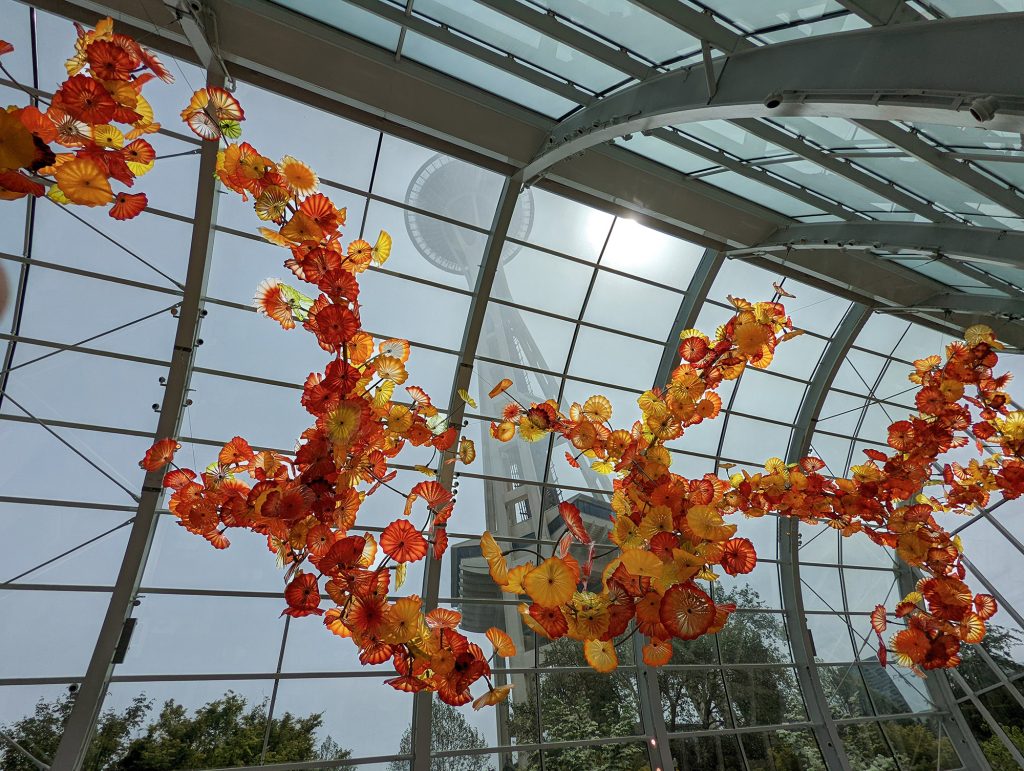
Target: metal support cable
{"x":60,"y":348}
{"x":72,"y":550}
{"x":70,"y":446}
{"x":89,"y":700}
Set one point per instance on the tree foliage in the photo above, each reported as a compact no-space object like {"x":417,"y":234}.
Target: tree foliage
{"x":224,"y":732}
{"x":449,"y":730}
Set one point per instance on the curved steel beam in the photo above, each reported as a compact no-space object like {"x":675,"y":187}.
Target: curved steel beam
{"x":818,"y":710}
{"x":999,"y":247}
{"x":902,"y":72}
{"x":81,"y":723}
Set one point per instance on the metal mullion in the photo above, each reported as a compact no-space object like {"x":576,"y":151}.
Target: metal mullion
{"x":602,"y":268}
{"x":871,"y":391}
{"x":76,"y":425}
{"x":442,"y":33}
{"x":740,"y":731}
{"x":18,"y":500}
{"x":1003,"y":603}
{"x":818,"y":711}
{"x":889,"y":718}
{"x":82,"y":721}
{"x":579,"y":322}
{"x":88,"y":588}
{"x":858,"y":646}
{"x":692,"y":301}
{"x":559,"y":375}
{"x":273,"y":692}
{"x":993,"y":724}
{"x":316,"y":765}
{"x":82,"y":350}
{"x":504,"y":209}
{"x":90,"y":274}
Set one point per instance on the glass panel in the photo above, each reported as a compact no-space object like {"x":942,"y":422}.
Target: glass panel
{"x":506,"y":34}
{"x":830,"y":26}
{"x":782,"y":751}
{"x":540,"y":280}
{"x":693,"y":700}
{"x":921,"y":745}
{"x":62,"y":308}
{"x":599,"y":355}
{"x":318,"y":136}
{"x":865,"y":747}
{"x":42,"y":387}
{"x":198,"y":635}
{"x":440,"y":184}
{"x":713,"y":753}
{"x":627,"y":25}
{"x":754,"y":440}
{"x":752,"y":17}
{"x":763,"y":696}
{"x":455,"y":63}
{"x":995,"y":751}
{"x":596,"y":756}
{"x":733,"y":139}
{"x":665,"y":153}
{"x":197,"y":724}
{"x":180,"y":560}
{"x":752,"y":637}
{"x":587,"y":705}
{"x":34,"y":716}
{"x":757,"y":589}
{"x":632,"y":306}
{"x":762,"y":394}
{"x":31,"y":458}
{"x":932,"y":185}
{"x":760,"y":193}
{"x":17,"y":32}
{"x":54,"y":530}
{"x":648,"y":253}
{"x":349,"y":18}
{"x":830,"y":637}
{"x":828,"y":183}
{"x":567,"y":226}
{"x":973,"y":7}
{"x":39,"y":645}
{"x":845,"y":691}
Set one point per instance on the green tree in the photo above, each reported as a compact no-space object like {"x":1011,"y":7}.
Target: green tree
{"x":577,"y":706}
{"x":224,"y":732}
{"x":449,"y":730}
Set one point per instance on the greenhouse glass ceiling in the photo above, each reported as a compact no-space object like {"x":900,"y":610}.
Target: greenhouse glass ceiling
{"x":893,"y":232}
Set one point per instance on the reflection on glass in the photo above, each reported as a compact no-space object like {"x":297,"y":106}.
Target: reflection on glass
{"x":921,"y":745}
